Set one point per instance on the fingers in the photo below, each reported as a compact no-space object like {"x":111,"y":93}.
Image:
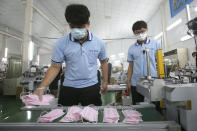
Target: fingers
{"x":39,"y":93}
{"x":103,"y":91}
{"x":40,"y":97}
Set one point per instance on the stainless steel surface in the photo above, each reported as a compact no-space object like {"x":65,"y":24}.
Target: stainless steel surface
{"x":181,"y":104}
{"x":148,"y":63}
{"x":152,"y":89}
{"x":14,"y":67}
{"x":10,"y":85}
{"x":116,"y":88}
{"x":98,"y":107}
{"x":148,"y":126}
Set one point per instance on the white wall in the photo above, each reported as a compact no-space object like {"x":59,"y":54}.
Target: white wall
{"x":0,"y":42}
{"x":13,"y":45}
{"x":118,"y":46}
{"x":174,"y":35}
{"x":45,"y":59}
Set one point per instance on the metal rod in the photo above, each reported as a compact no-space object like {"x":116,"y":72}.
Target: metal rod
{"x":188,"y":12}
{"x":148,"y":63}
{"x":47,"y":18}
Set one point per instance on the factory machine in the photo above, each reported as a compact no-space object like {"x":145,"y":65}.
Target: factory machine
{"x":179,"y":99}
{"x":177,"y":93}
{"x":32,"y":78}
{"x":28,"y":116}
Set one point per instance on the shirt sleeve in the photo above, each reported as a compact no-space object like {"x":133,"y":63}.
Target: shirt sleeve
{"x":130,"y":55}
{"x":58,"y":54}
{"x":102,"y":53}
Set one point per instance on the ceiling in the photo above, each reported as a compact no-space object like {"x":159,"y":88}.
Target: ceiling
{"x":110,"y":19}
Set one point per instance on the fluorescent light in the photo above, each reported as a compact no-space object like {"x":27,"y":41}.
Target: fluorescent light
{"x":31,"y":50}
{"x":184,"y":38}
{"x":4,"y":60}
{"x":6,"y":52}
{"x":195,"y":9}
{"x":174,"y":24}
{"x":116,"y":63}
{"x":28,"y":115}
{"x":121,"y":55}
{"x":38,"y":59}
{"x":158,"y":36}
{"x":113,"y":56}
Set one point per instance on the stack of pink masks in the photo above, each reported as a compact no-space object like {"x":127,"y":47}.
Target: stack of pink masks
{"x":131,"y":117}
{"x":110,"y":115}
{"x":113,"y":86}
{"x":52,"y":115}
{"x":89,"y":114}
{"x":72,"y":115}
{"x":32,"y":99}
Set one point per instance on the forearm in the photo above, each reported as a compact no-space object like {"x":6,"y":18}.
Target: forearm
{"x":105,"y":71}
{"x":51,"y":73}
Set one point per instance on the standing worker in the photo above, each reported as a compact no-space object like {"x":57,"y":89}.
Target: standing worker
{"x":137,"y":59}
{"x":80,"y":49}
{"x":109,"y":71}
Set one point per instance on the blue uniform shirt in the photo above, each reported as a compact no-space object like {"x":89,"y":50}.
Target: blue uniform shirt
{"x":136,"y":55}
{"x":81,"y":60}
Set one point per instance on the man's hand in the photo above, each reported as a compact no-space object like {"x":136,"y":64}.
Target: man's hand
{"x":104,"y":88}
{"x":39,"y":91}
{"x":129,"y":88}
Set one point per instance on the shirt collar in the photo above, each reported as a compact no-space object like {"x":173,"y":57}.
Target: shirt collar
{"x":146,"y":42}
{"x":88,"y":39}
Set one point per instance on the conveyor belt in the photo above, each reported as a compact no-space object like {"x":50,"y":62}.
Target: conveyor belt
{"x":144,"y":126}
{"x":98,"y":107}
{"x":27,"y":120}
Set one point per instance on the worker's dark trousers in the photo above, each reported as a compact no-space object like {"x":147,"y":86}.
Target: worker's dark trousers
{"x":73,"y":96}
{"x":136,"y":97}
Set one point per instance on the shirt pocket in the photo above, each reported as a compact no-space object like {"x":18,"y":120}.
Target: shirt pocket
{"x":92,"y":56}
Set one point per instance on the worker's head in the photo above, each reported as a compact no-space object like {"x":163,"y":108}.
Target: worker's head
{"x":140,"y":30}
{"x":77,"y":16}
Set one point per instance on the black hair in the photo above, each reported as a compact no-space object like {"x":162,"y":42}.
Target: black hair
{"x":77,"y":14}
{"x":138,"y":25}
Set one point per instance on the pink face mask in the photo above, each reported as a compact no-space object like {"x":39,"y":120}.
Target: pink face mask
{"x":110,"y":115}
{"x":52,"y":115}
{"x":89,"y":114}
{"x":72,"y":115}
{"x":31,"y":99}
{"x":131,"y":116}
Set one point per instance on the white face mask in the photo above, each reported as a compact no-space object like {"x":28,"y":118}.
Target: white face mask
{"x":78,"y":33}
{"x":141,"y":36}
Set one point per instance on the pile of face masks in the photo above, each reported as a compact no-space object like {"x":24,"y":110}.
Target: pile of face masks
{"x":110,"y":115}
{"x":132,"y":117}
{"x":72,"y":115}
{"x":90,"y":114}
{"x":31,"y":100}
{"x":52,"y":115}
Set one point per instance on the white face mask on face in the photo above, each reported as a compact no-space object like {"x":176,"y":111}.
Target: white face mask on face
{"x":141,"y":36}
{"x":78,"y":33}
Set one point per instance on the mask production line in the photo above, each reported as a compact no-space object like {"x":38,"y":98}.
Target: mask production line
{"x":174,"y":89}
